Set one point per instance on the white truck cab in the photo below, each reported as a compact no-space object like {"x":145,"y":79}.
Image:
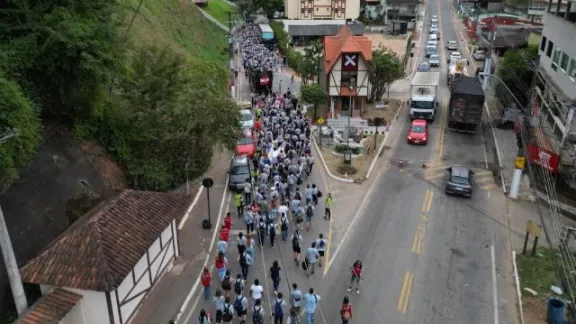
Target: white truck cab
{"x":424,"y":95}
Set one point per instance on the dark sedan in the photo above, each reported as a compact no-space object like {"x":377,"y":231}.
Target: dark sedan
{"x":459,"y":181}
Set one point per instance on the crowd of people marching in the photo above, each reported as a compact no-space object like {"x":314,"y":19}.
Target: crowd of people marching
{"x":255,"y":54}
{"x":277,"y":198}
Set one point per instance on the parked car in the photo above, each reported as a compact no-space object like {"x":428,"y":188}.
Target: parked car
{"x":238,"y":173}
{"x":430,"y":50}
{"x":435,"y":35}
{"x":424,"y":67}
{"x":432,"y":42}
{"x":452,"y":45}
{"x":246,"y":118}
{"x":418,"y":132}
{"x":246,"y":144}
{"x":434,"y":60}
{"x":434,"y":30}
{"x":459,"y":181}
{"x":479,"y":55}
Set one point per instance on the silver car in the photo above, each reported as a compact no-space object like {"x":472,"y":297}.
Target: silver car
{"x":434,"y":60}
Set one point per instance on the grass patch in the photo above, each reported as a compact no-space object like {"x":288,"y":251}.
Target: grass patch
{"x":534,"y":39}
{"x":179,"y":25}
{"x":219,"y":10}
{"x":537,"y":272}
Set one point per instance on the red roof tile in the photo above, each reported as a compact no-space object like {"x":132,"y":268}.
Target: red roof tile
{"x":345,"y":42}
{"x":101,"y":248}
{"x":51,"y":308}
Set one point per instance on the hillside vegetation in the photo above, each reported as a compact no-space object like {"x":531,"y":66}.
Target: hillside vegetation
{"x":145,"y":79}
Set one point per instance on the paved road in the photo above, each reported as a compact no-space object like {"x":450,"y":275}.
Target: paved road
{"x":429,"y":258}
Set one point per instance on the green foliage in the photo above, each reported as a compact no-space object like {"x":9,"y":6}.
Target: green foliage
{"x":385,"y":68}
{"x":16,"y":112}
{"x":516,"y":73}
{"x":343,"y":148}
{"x":269,"y":7}
{"x":311,"y":60}
{"x":293,"y":57}
{"x":314,"y":94}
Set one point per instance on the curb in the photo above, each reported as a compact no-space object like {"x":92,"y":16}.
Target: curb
{"x":326,"y":166}
{"x":498,"y":155}
{"x":518,"y":291}
{"x":373,"y":164}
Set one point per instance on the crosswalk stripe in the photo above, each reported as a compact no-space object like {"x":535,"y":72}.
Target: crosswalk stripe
{"x":489,"y":186}
{"x":482,"y":173}
{"x":484,"y":180}
{"x":433,"y":177}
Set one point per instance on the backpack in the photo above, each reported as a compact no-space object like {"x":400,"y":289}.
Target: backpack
{"x":284,"y":226}
{"x":238,"y":304}
{"x":278,"y":311}
{"x":257,"y":316}
{"x":226,"y":285}
{"x":321,"y":244}
{"x":227,"y":314}
{"x":238,"y":285}
{"x":295,"y":242}
{"x":309,"y":211}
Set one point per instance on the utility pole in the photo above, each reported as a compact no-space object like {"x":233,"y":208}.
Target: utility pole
{"x":8,"y":254}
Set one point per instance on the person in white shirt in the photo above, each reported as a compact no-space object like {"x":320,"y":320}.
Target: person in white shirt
{"x":256,"y":291}
{"x":321,"y":247}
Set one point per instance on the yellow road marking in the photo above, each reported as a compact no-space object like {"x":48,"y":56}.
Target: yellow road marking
{"x":418,"y":238}
{"x":429,"y":204}
{"x":426,"y":198}
{"x":329,"y":238}
{"x":489,"y":186}
{"x":405,"y":292}
{"x":424,"y":218}
{"x":433,"y":177}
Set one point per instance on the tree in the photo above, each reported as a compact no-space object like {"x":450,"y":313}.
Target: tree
{"x":314,"y":94}
{"x":16,"y":112}
{"x":515,"y":72}
{"x":269,"y":7}
{"x":385,"y":68}
{"x":310,"y":62}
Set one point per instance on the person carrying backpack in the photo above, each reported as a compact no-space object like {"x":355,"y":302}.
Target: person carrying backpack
{"x":310,"y":210}
{"x":204,"y":317}
{"x":241,"y":307}
{"x":296,"y":248}
{"x":245,"y":261}
{"x":219,"y":302}
{"x":284,"y":225}
{"x":356,"y":275}
{"x":296,"y":297}
{"x":258,"y":312}
{"x":238,"y":284}
{"x":275,"y":275}
{"x":346,"y":310}
{"x":227,"y":284}
{"x":271,"y":232}
{"x":279,"y":305}
{"x":321,"y":247}
{"x":228,"y":311}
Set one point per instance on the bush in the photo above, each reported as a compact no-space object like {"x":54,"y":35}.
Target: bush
{"x":343,"y":148}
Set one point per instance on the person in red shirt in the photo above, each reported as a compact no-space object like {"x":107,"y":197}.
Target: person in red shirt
{"x":206,"y":279}
{"x":228,"y":221}
{"x":224,"y":233}
{"x":356,"y":276}
{"x":346,"y":310}
{"x":257,"y":125}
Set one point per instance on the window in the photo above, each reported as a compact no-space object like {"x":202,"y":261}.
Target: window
{"x":564,"y":62}
{"x":572,"y":70}
{"x":549,"y":49}
{"x":346,"y":79}
{"x":543,"y":43}
{"x":556,"y":58}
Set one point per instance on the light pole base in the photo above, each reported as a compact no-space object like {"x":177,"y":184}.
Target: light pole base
{"x":206,"y":224}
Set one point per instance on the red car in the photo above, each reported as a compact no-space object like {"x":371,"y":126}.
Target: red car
{"x":246,"y":145}
{"x":418,"y":132}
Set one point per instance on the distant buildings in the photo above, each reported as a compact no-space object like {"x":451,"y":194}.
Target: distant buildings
{"x":322,"y":9}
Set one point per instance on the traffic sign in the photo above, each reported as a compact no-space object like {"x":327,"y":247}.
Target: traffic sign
{"x":320,"y":121}
{"x":520,"y":162}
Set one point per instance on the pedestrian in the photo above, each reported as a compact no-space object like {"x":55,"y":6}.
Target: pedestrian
{"x":249,"y":221}
{"x":346,"y":310}
{"x":206,"y":280}
{"x":228,"y":311}
{"x":284,"y":225}
{"x":250,"y":246}
{"x":239,"y":202}
{"x":279,"y":305}
{"x":262,"y":231}
{"x":224,"y":233}
{"x":241,"y":308}
{"x":356,"y":270}
{"x":204,"y":317}
{"x":312,"y":256}
{"x":258,"y":313}
{"x":248,"y":190}
{"x":272,"y":232}
{"x":296,"y":246}
{"x":221,"y":265}
{"x":310,"y":210}
{"x":299,"y":218}
{"x":312,"y":300}
{"x":228,"y":221}
{"x":328,"y":206}
{"x":308,"y":194}
{"x":321,"y":247}
{"x":239,"y":284}
{"x":219,"y":305}
{"x":245,"y":261}
{"x":241,"y":243}
{"x":275,"y":275}
{"x":227,"y":284}
{"x":222,"y":246}
{"x":296,"y":297}
{"x":256,"y":291}
{"x":315,"y":192}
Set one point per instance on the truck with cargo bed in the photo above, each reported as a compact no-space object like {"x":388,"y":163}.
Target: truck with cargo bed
{"x":466,"y":105}
{"x":424,"y":95}
{"x":456,"y":69}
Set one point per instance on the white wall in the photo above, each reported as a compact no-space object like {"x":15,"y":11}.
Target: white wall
{"x":352,"y":9}
{"x":362,"y":82}
{"x":76,"y":316}
{"x":92,"y":308}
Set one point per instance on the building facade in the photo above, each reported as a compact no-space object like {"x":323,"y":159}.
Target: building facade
{"x":322,"y":9}
{"x":554,"y":94}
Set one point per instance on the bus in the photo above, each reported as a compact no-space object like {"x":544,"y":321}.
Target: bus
{"x":267,"y":33}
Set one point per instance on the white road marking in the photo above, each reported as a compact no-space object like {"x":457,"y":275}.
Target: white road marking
{"x":494,"y":284}
{"x":189,"y":211}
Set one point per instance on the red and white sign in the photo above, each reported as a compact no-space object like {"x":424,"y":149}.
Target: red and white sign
{"x":350,"y":62}
{"x":264,"y":80}
{"x":543,"y":157}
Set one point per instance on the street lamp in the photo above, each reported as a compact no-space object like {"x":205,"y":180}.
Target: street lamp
{"x":348,"y":153}
{"x":484,"y":74}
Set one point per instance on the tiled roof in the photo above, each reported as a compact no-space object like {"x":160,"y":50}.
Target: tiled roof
{"x":51,"y":308}
{"x":345,"y":42}
{"x":101,"y":248}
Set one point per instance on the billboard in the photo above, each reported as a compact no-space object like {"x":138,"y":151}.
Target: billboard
{"x":543,"y":157}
